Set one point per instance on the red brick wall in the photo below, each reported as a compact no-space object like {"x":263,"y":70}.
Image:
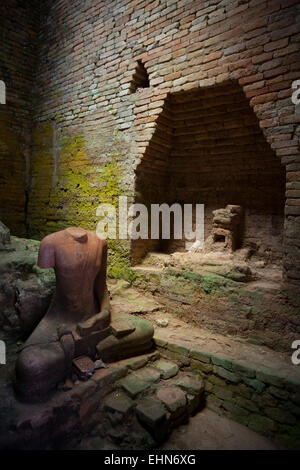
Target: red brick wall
{"x":208,"y":148}
{"x":88,"y":55}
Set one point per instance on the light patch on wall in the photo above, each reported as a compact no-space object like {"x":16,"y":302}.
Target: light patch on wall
{"x":2,"y":92}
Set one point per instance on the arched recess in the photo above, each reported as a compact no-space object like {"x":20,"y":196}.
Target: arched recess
{"x":208,"y":148}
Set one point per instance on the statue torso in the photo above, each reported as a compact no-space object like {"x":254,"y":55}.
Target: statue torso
{"x":76,"y":264}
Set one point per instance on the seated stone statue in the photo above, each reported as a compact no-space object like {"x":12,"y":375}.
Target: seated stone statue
{"x":79,"y":320}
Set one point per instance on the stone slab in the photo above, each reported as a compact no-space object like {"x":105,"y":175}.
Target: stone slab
{"x":167,"y":369}
{"x":134,"y":385}
{"x":150,"y":374}
{"x":151,"y":412}
{"x":190,"y":385}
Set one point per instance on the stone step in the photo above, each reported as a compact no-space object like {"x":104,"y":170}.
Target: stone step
{"x":149,"y":403}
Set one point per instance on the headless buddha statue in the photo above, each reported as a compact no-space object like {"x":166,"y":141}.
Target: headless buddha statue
{"x":79,"y":320}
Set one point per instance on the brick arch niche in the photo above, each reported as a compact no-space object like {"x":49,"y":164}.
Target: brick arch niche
{"x":208,"y":148}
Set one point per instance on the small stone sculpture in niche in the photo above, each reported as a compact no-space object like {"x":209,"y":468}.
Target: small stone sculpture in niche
{"x":78,"y":321}
{"x":226,"y":230}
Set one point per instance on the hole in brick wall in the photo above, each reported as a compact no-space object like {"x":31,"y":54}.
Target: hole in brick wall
{"x":208,"y":149}
{"x":219,"y":239}
{"x":140,"y":78}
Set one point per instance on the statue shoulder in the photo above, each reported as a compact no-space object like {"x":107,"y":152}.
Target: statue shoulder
{"x":102,"y":241}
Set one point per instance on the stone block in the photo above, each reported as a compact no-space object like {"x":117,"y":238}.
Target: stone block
{"x":243,"y":369}
{"x":201,"y":366}
{"x":278,"y":392}
{"x":137,"y":363}
{"x":200,"y":356}
{"x":257,"y":385}
{"x":119,"y":402}
{"x":193,"y":402}
{"x":134,"y":385}
{"x":149,"y":374}
{"x":167,"y":369}
{"x":190,"y":385}
{"x":224,"y":393}
{"x":261,"y":424}
{"x":269,"y":378}
{"x":226,"y":374}
{"x":247,"y":404}
{"x":282,"y":416}
{"x":151,"y":412}
{"x":105,"y":378}
{"x":213,"y":403}
{"x":160,"y":342}
{"x":178,"y":349}
{"x":237,"y":412}
{"x":174,"y":399}
{"x":223,"y":362}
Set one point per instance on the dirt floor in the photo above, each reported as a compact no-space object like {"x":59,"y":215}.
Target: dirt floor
{"x":208,"y":431}
{"x":205,"y":431}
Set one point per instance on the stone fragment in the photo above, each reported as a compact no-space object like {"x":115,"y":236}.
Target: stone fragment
{"x":167,"y":369}
{"x":118,"y":402}
{"x":83,"y":366}
{"x":134,"y":385}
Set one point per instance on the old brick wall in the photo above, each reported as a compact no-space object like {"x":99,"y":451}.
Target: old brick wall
{"x":18,"y":30}
{"x":212,"y":151}
{"x":93,"y":130}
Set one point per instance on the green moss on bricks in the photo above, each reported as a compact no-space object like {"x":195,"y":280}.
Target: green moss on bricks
{"x":209,"y":284}
{"x":83,"y":185}
{"x":118,"y":266}
{"x":71,"y":188}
